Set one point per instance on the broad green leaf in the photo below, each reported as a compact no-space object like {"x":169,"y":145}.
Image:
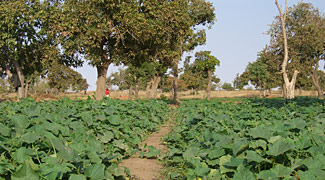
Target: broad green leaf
{"x":306,"y":175}
{"x":114,"y":120}
{"x":243,"y":173}
{"x":239,"y":145}
{"x":4,"y":130}
{"x":77,"y":177}
{"x":95,"y":172}
{"x":298,"y":124}
{"x":215,"y":153}
{"x":279,"y":147}
{"x":259,"y":143}
{"x":21,"y":155}
{"x":191,"y":152}
{"x":267,"y":175}
{"x":282,"y":171}
{"x":152,"y":151}
{"x":222,"y":163}
{"x":30,"y":137}
{"x":253,"y":156}
{"x":26,"y":172}
{"x":260,"y":132}
{"x":106,"y":137}
{"x":20,"y":121}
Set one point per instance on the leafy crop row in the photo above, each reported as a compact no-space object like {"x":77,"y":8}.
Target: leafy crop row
{"x":73,"y":139}
{"x":254,"y":139}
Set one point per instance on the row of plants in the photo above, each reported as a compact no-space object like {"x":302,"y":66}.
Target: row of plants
{"x":252,"y":139}
{"x":73,"y":139}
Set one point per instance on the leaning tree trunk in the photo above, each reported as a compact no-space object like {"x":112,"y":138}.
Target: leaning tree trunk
{"x":101,"y":79}
{"x":315,"y":79}
{"x":155,"y":86}
{"x":209,"y":85}
{"x":21,"y":78}
{"x":26,"y":88}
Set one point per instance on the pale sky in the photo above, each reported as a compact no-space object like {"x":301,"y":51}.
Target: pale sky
{"x":236,"y":37}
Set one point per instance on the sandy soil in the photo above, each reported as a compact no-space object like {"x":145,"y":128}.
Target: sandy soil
{"x":148,"y":169}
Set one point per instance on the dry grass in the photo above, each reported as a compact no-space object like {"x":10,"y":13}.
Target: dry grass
{"x":123,"y":95}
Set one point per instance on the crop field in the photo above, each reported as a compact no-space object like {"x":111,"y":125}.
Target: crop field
{"x":73,"y":139}
{"x":251,"y":139}
{"x":243,"y":138}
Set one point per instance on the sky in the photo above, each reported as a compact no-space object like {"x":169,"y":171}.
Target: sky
{"x":235,"y":38}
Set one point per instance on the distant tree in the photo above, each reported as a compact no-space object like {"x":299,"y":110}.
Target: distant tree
{"x":227,"y":86}
{"x":63,"y":78}
{"x":240,"y":81}
{"x":207,"y":63}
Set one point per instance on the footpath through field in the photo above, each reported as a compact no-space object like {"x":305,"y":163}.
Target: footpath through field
{"x":149,"y":168}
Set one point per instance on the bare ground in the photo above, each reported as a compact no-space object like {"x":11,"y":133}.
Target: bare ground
{"x":148,"y":169}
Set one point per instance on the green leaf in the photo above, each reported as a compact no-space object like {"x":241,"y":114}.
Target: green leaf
{"x":21,"y":155}
{"x":282,"y":171}
{"x":253,"y":156}
{"x":152,"y":151}
{"x":267,"y":175}
{"x":279,"y":147}
{"x":95,"y":172}
{"x":106,"y":137}
{"x":30,"y":137}
{"x":243,"y":173}
{"x":239,"y":145}
{"x":114,"y":120}
{"x":298,"y":124}
{"x":260,"y":132}
{"x":77,"y":177}
{"x":4,"y":130}
{"x":259,"y":143}
{"x":20,"y":121}
{"x":222,"y":163}
{"x":26,"y":172}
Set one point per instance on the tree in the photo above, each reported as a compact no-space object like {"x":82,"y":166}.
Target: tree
{"x":227,"y":86}
{"x":62,"y":78}
{"x":24,"y":42}
{"x":289,"y":85}
{"x":207,"y":63}
{"x":306,"y":41}
{"x":93,"y":29}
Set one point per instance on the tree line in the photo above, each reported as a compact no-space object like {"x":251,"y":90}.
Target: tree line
{"x":46,"y":38}
{"x":35,"y":34}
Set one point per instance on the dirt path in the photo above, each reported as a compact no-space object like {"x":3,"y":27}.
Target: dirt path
{"x":148,"y":169}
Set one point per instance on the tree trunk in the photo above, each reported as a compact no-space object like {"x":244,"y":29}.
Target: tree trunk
{"x":155,"y":86}
{"x":101,"y":79}
{"x":148,"y":88}
{"x":136,"y":87}
{"x":289,"y":86}
{"x":316,"y":84}
{"x":175,"y":90}
{"x":130,"y":92}
{"x":21,"y":78}
{"x":26,"y":88}
{"x":209,"y":85}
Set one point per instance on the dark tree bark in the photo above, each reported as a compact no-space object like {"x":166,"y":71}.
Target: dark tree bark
{"x":21,"y":78}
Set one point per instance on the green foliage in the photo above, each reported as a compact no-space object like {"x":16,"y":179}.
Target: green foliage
{"x":204,"y":61}
{"x":62,"y":78}
{"x":227,"y":86}
{"x":256,"y":138}
{"x":73,"y":139}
